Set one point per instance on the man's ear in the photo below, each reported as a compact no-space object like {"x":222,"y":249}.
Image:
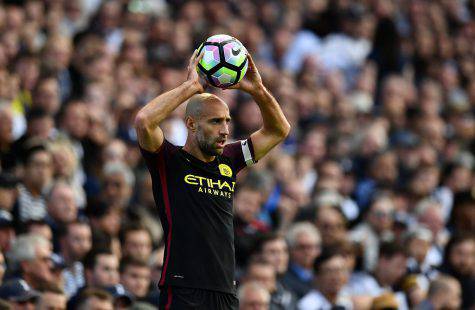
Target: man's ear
{"x":190,"y":123}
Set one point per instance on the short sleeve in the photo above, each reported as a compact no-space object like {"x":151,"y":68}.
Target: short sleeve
{"x":152,"y":158}
{"x":241,"y":153}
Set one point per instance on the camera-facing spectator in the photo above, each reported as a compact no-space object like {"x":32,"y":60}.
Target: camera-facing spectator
{"x":136,"y":241}
{"x":444,"y":293}
{"x":135,"y":276}
{"x":253,"y":296}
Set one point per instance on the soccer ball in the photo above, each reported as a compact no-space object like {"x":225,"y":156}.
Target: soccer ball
{"x":224,"y":62}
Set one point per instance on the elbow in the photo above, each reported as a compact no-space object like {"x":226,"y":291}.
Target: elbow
{"x":285,"y":130}
{"x":141,"y":121}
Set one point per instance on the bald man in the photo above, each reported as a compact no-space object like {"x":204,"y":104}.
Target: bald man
{"x":194,"y":186}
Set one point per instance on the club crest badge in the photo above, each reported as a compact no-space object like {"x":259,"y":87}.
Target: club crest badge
{"x":225,"y":170}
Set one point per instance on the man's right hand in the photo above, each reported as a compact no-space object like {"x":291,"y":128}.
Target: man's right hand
{"x":193,"y":76}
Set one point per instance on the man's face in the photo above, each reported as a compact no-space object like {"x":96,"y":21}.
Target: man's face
{"x":331,"y":225}
{"x":393,"y":268}
{"x":138,"y":244}
{"x":254,"y":300}
{"x":264,"y":274}
{"x":40,"y":269}
{"x":276,"y":253}
{"x":381,"y":215}
{"x":136,"y":279}
{"x":116,"y":190}
{"x":7,"y":234}
{"x":52,"y":301}
{"x":62,"y":206}
{"x":453,"y":297}
{"x":106,"y":271}
{"x":305,"y":250}
{"x":333,"y":275}
{"x":247,"y":204}
{"x":212,"y":128}
{"x":7,"y":198}
{"x":39,"y":169}
{"x":462,"y":257}
{"x":78,"y":241}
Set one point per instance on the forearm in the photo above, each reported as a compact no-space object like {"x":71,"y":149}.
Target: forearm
{"x":154,"y":112}
{"x":274,"y":121}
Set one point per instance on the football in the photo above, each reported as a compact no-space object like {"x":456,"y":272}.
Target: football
{"x":224,"y":62}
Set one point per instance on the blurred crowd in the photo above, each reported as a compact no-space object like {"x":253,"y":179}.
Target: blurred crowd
{"x":369,"y":203}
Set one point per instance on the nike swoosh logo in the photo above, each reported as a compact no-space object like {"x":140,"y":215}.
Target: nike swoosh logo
{"x":235,"y":52}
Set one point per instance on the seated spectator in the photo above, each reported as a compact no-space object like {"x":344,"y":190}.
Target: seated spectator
{"x":39,"y":228}
{"x":304,"y":245}
{"x":272,"y":248}
{"x":52,"y":297}
{"x":247,"y":226}
{"x":135,"y":276}
{"x":30,"y":259}
{"x":93,"y":298}
{"x":122,"y":298}
{"x":253,"y":296}
{"x":377,"y":227}
{"x":331,"y":275}
{"x":8,"y":192}
{"x":265,"y":274}
{"x":37,"y":177}
{"x":444,"y":293}
{"x":331,"y":224}
{"x":389,"y":271}
{"x":136,"y":241}
{"x":75,"y":241}
{"x":458,"y":262}
{"x":418,"y":242}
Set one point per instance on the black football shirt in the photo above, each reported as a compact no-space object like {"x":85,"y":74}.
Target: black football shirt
{"x":195,"y":203}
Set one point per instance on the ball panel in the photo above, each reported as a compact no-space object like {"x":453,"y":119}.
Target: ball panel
{"x":218,"y":38}
{"x":234,"y":53}
{"x":211,"y":57}
{"x":226,"y":76}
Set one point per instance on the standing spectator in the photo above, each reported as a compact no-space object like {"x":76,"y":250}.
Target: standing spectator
{"x":304,"y":245}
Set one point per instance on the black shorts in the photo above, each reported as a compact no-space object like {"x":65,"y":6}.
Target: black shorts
{"x":184,"y":298}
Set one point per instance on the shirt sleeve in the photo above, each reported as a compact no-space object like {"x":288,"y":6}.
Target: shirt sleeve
{"x":241,"y":153}
{"x":152,"y":158}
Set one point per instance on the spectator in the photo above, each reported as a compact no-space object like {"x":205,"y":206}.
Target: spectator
{"x":94,"y":299}
{"x":331,"y":223}
{"x":273,"y":249}
{"x":8,"y":192}
{"x":19,"y":294}
{"x":52,"y":297}
{"x":136,"y":241}
{"x":101,"y":268}
{"x":7,"y":231}
{"x":253,"y":295}
{"x":30,"y":256}
{"x":75,"y":242}
{"x":331,"y":275}
{"x":38,"y":174}
{"x":304,"y":245}
{"x":444,"y":293}
{"x":135,"y":276}
{"x":265,"y":274}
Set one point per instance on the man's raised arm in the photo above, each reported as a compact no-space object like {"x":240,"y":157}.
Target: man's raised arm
{"x":275,"y":126}
{"x":148,"y":119}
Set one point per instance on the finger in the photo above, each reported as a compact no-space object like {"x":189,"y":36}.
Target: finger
{"x":251,"y":61}
{"x":192,"y":58}
{"x":198,"y":58}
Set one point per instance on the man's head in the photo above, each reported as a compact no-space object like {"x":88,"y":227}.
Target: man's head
{"x":39,"y":228}
{"x":52,"y":298}
{"x":61,"y":203}
{"x":118,"y":184}
{"x":331,"y":271}
{"x":38,"y":168}
{"x":247,"y":203}
{"x":445,"y":292}
{"x":76,"y":240}
{"x":391,"y":265}
{"x":263,"y":273}
{"x":7,"y":231}
{"x":274,"y":250}
{"x":460,"y":254}
{"x":381,"y":213}
{"x":332,"y":224}
{"x":19,"y":294}
{"x":93,"y":298}
{"x":207,"y":120}
{"x":101,"y":268}
{"x":304,"y":243}
{"x":253,"y":296}
{"x":8,"y":191}
{"x":136,"y":241}
{"x":31,"y":254}
{"x":135,"y":276}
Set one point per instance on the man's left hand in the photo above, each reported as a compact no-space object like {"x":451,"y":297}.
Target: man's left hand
{"x":252,"y":81}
